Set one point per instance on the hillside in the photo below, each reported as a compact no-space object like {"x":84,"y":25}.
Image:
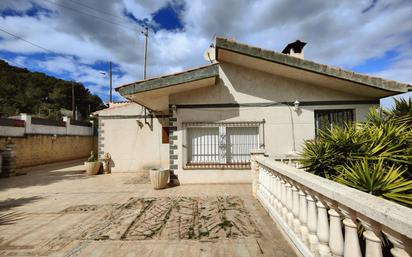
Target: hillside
{"x":39,"y":94}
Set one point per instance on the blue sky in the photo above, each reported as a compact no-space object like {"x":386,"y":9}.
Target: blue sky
{"x":81,"y":37}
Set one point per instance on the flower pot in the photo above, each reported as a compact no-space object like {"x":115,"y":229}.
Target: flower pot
{"x":159,"y":178}
{"x":92,"y":168}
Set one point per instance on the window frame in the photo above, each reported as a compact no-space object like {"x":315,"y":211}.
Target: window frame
{"x":221,"y":126}
{"x":330,"y":112}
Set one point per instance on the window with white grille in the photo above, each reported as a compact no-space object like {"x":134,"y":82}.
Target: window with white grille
{"x":221,"y":144}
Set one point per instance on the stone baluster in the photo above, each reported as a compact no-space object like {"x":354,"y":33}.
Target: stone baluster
{"x":372,"y":238}
{"x":295,"y":210}
{"x":259,"y":181}
{"x":303,"y":216}
{"x":313,"y":241}
{"x":351,"y":244}
{"x":276,"y":192}
{"x":279,"y":193}
{"x":399,"y":243}
{"x":271,"y":186}
{"x":336,"y":242}
{"x":323,"y":229}
{"x":289,"y":204}
{"x":284,"y":208}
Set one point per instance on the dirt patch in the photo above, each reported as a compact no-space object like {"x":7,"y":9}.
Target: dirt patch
{"x":82,"y":208}
{"x":169,"y":218}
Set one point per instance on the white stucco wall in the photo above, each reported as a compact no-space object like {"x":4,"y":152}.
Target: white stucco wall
{"x":284,"y":129}
{"x":132,"y":144}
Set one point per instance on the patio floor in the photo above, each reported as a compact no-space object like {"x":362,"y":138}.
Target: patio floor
{"x":57,"y":210}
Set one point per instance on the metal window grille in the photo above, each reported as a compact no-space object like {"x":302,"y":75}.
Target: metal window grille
{"x":221,"y":144}
{"x":325,"y":119}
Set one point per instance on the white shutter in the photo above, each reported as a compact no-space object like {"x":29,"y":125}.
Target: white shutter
{"x":240,"y":140}
{"x":203,"y":145}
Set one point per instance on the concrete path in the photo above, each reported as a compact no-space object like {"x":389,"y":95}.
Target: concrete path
{"x":57,"y":210}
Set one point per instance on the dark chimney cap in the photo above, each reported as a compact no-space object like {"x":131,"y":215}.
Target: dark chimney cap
{"x":297,"y":47}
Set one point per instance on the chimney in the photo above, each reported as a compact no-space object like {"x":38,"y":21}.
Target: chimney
{"x":295,"y":49}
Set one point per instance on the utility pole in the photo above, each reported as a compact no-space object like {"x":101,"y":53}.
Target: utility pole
{"x":146,"y":34}
{"x":111,"y":82}
{"x":73,"y":103}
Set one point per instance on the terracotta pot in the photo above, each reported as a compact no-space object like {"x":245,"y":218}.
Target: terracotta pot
{"x":92,"y":168}
{"x":159,"y":178}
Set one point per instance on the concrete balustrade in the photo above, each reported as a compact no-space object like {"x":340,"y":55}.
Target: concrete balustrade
{"x":321,"y":217}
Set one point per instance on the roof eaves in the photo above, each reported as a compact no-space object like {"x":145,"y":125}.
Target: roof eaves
{"x":203,"y":72}
{"x":272,"y":56}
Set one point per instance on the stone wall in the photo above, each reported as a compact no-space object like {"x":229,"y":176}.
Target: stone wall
{"x":34,"y":150}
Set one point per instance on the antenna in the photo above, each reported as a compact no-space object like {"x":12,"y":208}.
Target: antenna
{"x":209,"y":55}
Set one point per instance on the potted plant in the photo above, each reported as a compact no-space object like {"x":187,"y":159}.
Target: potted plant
{"x":92,"y":165}
{"x":159,"y":178}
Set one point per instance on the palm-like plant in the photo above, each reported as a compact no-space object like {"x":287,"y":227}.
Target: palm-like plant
{"x":377,"y":179}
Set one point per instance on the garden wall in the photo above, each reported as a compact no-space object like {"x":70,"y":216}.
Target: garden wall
{"x":34,"y":150}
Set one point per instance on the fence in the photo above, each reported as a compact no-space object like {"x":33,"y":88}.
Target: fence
{"x":321,"y":217}
{"x":27,"y":125}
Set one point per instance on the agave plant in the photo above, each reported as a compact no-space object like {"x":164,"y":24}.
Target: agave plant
{"x":377,"y":179}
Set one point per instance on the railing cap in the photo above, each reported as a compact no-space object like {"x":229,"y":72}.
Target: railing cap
{"x":384,"y":212}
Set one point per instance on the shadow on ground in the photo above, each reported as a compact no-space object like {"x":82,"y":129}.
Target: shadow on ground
{"x":44,"y":175}
{"x":7,"y":215}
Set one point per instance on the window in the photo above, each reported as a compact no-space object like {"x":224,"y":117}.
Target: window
{"x":221,"y":144}
{"x":325,"y":119}
{"x":165,"y":135}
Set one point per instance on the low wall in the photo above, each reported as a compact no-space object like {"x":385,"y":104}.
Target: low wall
{"x":34,"y":150}
{"x":26,"y":124}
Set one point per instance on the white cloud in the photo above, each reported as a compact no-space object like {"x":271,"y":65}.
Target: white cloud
{"x":338,"y":33}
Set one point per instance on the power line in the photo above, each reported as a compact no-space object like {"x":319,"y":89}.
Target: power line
{"x":95,"y":9}
{"x":27,"y":41}
{"x":91,"y":15}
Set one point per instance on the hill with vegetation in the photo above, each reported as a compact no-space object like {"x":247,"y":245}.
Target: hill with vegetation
{"x":24,"y":91}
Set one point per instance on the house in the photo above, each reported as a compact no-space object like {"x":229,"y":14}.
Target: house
{"x":203,"y":122}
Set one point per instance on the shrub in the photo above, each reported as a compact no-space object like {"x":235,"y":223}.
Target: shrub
{"x":378,"y":179}
{"x":374,"y":156}
{"x":92,"y":157}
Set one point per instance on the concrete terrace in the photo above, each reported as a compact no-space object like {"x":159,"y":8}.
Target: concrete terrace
{"x":57,"y":210}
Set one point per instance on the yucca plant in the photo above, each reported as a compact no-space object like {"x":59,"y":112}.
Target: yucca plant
{"x":376,"y":178}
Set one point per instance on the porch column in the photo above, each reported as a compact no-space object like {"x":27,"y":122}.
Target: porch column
{"x":255,"y":169}
{"x":173,"y":149}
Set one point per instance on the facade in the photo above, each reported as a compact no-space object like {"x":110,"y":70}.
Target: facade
{"x":204,"y":122}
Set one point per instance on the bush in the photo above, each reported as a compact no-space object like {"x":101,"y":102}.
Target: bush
{"x":92,"y":157}
{"x":378,"y":179}
{"x":374,"y":156}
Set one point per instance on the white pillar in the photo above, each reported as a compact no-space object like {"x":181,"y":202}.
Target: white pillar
{"x":68,"y":125}
{"x":323,"y":230}
{"x":372,"y":239}
{"x":27,"y":120}
{"x":303,"y":216}
{"x":284,"y":208}
{"x":399,"y":243}
{"x":313,"y":241}
{"x":289,"y":205}
{"x":279,"y":193}
{"x":351,"y":245}
{"x":373,"y":244}
{"x":336,"y":242}
{"x":295,"y":210}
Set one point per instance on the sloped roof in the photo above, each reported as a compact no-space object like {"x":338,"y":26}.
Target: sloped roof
{"x":199,"y":73}
{"x":283,"y":59}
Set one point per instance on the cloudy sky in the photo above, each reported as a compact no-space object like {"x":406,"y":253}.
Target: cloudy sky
{"x":75,"y":39}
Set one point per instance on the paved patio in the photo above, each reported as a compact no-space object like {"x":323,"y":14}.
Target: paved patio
{"x":57,"y":210}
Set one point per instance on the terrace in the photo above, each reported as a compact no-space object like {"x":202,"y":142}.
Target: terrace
{"x":57,"y":210}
